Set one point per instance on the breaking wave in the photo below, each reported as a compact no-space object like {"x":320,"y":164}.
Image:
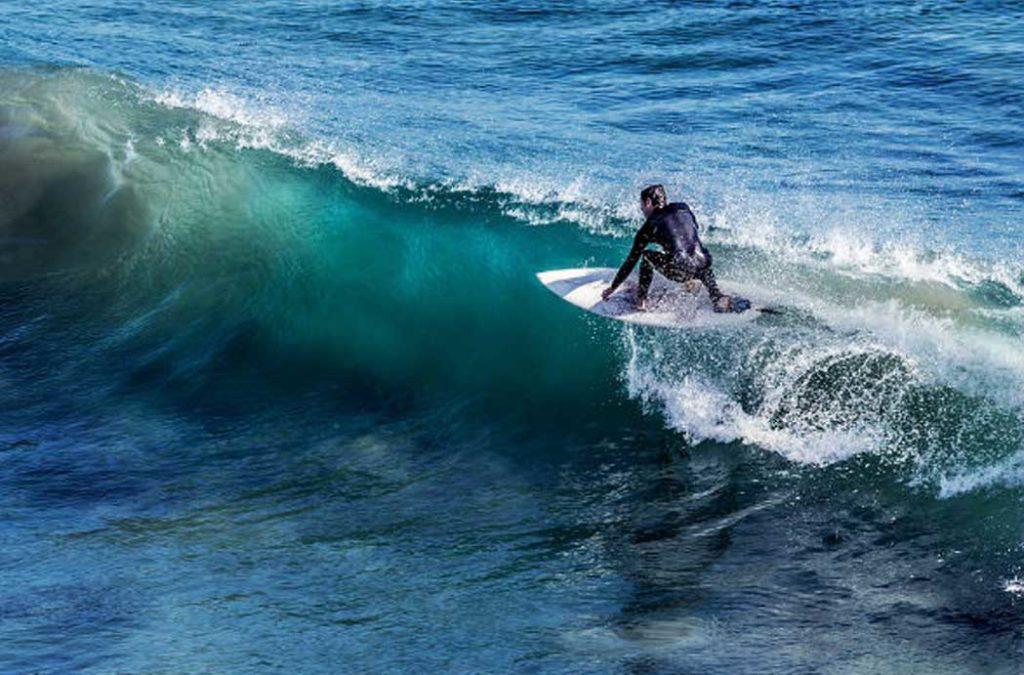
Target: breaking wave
{"x":188,"y":224}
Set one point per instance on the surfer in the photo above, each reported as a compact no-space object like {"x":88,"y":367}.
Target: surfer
{"x":683,"y":257}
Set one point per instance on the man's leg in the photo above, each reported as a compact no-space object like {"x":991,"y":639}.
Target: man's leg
{"x":677,"y":272}
{"x":652,"y":260}
{"x":707,"y":277}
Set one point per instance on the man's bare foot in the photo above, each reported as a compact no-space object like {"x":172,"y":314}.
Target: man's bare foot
{"x":723,"y":304}
{"x":641,"y":304}
{"x":692,"y":286}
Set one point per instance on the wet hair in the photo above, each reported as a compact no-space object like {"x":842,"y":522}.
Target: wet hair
{"x":656,"y":193}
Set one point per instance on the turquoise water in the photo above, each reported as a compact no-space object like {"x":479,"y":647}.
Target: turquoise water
{"x":280,"y":389}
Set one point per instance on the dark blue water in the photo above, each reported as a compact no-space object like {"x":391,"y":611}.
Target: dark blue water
{"x":279,"y":389}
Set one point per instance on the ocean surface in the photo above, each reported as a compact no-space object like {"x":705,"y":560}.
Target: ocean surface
{"x":279,"y":389}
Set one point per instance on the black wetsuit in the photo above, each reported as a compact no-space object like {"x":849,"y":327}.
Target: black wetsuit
{"x":682,"y":257}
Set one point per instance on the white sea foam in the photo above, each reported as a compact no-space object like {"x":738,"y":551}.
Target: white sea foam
{"x":1008,"y":473}
{"x":981,"y":363}
{"x":226,"y":106}
{"x":858,"y":255}
{"x":700,"y":410}
{"x":262,"y":127}
{"x":1014,"y":586}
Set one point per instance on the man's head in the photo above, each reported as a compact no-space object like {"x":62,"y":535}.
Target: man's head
{"x":652,"y":198}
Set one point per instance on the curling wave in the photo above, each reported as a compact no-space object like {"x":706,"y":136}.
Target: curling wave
{"x":194,"y":231}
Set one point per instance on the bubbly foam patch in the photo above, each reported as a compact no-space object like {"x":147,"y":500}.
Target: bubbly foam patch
{"x":701,"y":410}
{"x":263,"y":127}
{"x":1014,"y":586}
{"x":818,"y":393}
{"x":1008,"y":473}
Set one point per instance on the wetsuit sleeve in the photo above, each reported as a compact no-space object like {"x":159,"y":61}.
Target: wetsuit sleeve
{"x":640,"y":242}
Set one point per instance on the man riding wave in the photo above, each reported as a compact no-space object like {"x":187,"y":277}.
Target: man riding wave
{"x":683,"y":257}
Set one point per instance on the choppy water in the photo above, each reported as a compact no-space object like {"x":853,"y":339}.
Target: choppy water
{"x":278,"y":388}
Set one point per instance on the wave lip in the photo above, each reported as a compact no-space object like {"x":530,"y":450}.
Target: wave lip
{"x":741,"y":220}
{"x":263,"y":127}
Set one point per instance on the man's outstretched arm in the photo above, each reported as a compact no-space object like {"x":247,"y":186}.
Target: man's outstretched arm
{"x":639,"y":244}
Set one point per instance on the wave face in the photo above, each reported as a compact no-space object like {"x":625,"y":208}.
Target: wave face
{"x":187,"y":235}
{"x":271,"y":345}
{"x":235,"y":231}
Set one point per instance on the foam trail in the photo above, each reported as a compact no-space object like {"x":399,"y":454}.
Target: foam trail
{"x":701,"y":411}
{"x":1007,"y":473}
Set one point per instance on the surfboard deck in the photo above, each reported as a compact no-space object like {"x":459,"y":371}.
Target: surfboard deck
{"x":670,"y":304}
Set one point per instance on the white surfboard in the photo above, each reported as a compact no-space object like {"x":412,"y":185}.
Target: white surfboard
{"x":669,"y":304}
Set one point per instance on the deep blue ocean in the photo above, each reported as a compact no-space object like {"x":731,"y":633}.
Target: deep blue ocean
{"x":279,"y":390}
